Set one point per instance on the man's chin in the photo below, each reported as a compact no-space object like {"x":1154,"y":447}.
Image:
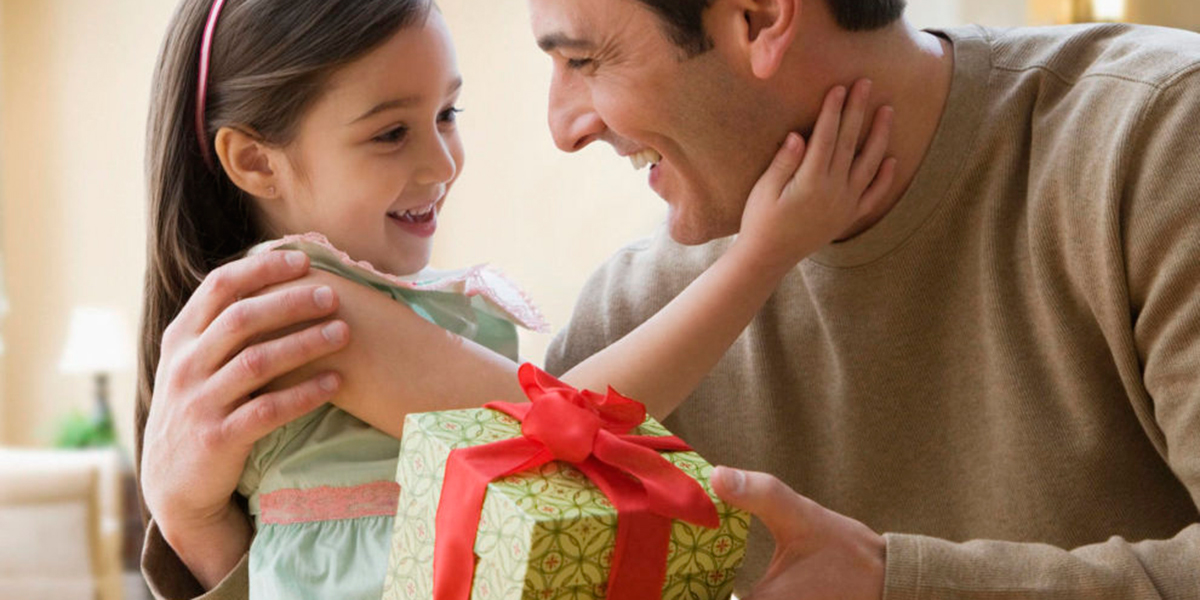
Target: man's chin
{"x":694,"y":232}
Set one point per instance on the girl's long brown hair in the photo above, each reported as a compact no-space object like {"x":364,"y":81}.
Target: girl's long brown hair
{"x":270,"y":62}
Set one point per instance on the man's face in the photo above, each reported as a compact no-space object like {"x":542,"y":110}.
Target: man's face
{"x":618,"y":78}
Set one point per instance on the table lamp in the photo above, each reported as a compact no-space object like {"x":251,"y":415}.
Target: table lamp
{"x":97,"y":345}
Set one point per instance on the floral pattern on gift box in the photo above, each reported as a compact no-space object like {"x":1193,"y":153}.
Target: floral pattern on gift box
{"x":546,"y":534}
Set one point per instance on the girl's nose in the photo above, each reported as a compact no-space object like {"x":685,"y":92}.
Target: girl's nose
{"x":438,"y":165}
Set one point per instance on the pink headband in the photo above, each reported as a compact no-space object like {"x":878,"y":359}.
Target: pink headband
{"x":202,"y":87}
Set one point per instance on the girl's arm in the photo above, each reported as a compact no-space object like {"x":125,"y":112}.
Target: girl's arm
{"x":397,"y":362}
{"x":790,"y":214}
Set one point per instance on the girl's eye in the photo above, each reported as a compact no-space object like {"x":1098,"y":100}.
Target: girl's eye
{"x":450,"y":115}
{"x":393,"y":136}
{"x":578,"y":63}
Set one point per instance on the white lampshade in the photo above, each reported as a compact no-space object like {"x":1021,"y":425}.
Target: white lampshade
{"x":1108,"y":10}
{"x":98,"y":342}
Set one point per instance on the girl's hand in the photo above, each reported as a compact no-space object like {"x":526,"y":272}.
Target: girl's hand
{"x":204,"y":417}
{"x":792,"y":211}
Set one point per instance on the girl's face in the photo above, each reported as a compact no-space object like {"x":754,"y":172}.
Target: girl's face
{"x":375,"y":156}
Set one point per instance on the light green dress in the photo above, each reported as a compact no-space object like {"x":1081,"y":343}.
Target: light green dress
{"x":321,"y":489}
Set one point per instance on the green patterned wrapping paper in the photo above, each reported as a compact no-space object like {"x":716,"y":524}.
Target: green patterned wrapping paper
{"x":546,"y":534}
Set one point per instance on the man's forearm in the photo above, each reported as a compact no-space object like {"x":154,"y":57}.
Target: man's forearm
{"x":925,"y":567}
{"x":210,"y":550}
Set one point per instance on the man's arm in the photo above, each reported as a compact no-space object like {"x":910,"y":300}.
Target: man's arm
{"x":1158,"y":244}
{"x":196,"y":436}
{"x":1159,"y":247}
{"x":170,"y":579}
{"x":910,"y":566}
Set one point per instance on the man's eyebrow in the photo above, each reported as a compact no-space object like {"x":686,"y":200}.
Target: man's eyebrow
{"x":554,"y":41}
{"x":405,"y":102}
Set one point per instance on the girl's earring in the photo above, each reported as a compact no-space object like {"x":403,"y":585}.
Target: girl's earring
{"x":271,"y":191}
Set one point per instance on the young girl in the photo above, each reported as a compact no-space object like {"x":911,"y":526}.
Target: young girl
{"x":273,"y":118}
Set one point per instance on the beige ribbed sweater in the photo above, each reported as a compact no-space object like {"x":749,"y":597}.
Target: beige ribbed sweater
{"x":1012,"y":354}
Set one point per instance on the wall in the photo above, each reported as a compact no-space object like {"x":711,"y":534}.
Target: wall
{"x":76,"y":86}
{"x":1185,"y":14}
{"x":948,"y":13}
{"x":3,"y":278}
{"x":76,"y":78}
{"x":1167,"y":13}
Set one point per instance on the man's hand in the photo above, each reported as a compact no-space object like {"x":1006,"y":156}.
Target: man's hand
{"x":206,"y":414}
{"x":818,"y":553}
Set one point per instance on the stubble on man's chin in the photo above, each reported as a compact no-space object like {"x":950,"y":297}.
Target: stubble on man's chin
{"x":699,"y":229}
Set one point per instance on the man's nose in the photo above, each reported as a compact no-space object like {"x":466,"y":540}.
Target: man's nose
{"x":574,"y":122}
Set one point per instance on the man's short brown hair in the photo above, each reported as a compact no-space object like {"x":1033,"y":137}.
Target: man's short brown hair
{"x":684,"y":19}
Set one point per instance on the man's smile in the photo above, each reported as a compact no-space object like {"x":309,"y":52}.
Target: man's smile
{"x":646,"y":157}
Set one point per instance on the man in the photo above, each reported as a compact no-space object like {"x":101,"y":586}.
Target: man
{"x":1007,"y":354}
{"x":1001,"y":372}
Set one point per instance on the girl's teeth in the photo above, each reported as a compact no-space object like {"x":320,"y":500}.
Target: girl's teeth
{"x":416,"y":215}
{"x":646,"y":157}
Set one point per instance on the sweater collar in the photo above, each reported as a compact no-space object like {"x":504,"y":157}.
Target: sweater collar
{"x":943,"y":164}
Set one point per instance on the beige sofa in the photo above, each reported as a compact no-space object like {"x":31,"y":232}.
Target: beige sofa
{"x":60,"y":524}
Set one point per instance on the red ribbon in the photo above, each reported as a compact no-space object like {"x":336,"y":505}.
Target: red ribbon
{"x":589,"y":431}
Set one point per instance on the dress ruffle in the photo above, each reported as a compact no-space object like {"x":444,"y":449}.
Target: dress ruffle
{"x":483,"y":281}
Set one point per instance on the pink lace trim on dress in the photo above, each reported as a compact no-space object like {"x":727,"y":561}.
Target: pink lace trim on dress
{"x":480,"y":280}
{"x":286,"y":507}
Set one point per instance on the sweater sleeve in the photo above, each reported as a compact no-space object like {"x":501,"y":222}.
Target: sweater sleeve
{"x":933,"y":569}
{"x":1162,"y":253}
{"x":1158,"y":242}
{"x":170,"y":579}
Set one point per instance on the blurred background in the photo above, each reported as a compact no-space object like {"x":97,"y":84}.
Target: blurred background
{"x":74,"y":87}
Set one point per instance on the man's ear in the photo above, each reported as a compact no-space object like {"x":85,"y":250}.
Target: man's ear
{"x":769,"y":29}
{"x":249,"y":162}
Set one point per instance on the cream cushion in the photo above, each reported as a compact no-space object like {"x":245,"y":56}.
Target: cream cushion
{"x":60,"y":514}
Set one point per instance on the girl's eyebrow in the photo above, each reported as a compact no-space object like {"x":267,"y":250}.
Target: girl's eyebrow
{"x":405,"y":102}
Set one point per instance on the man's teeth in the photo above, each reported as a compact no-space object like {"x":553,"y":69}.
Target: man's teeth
{"x":649,"y":156}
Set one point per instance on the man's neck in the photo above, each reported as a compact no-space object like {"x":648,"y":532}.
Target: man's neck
{"x":910,"y":71}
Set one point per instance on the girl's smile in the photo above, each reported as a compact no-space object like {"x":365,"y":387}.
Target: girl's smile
{"x":420,"y":221}
{"x":376,"y":155}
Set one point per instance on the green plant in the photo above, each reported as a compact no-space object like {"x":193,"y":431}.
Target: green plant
{"x":81,"y":431}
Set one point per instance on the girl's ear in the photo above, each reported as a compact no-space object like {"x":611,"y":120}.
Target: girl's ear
{"x":249,"y":162}
{"x":764,"y":31}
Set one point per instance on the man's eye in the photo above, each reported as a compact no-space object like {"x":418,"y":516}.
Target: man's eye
{"x":578,"y":63}
{"x":392,"y":136}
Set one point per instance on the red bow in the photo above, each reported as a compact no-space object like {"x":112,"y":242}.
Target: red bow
{"x":589,"y":431}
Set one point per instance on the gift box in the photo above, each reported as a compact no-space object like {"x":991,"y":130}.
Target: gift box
{"x":551,"y":531}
